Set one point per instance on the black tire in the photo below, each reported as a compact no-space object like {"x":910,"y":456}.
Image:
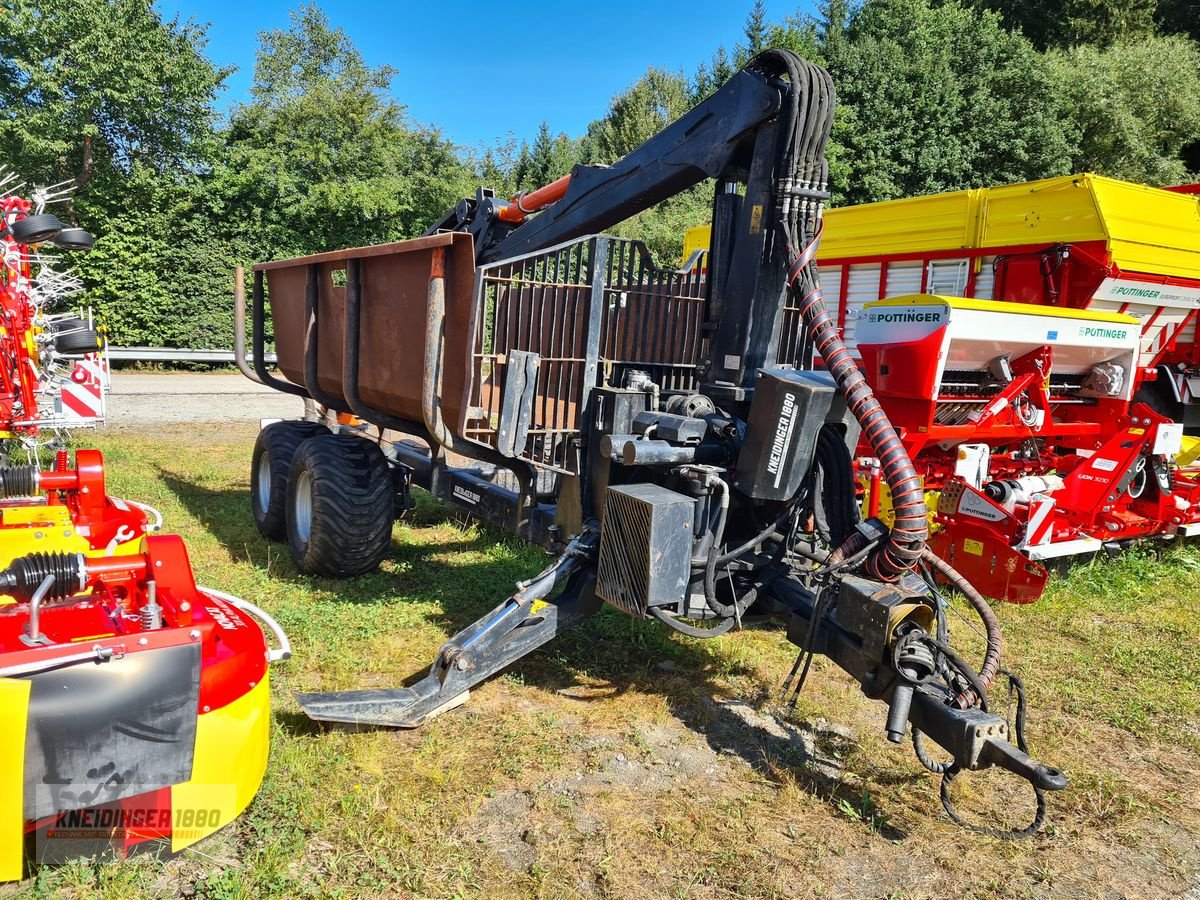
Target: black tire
{"x":35,"y":229}
{"x":73,"y":239}
{"x":85,"y":340}
{"x":269,"y":467}
{"x":339,"y":506}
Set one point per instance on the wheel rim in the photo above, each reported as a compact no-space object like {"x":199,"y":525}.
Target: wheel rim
{"x":303,"y":507}
{"x":264,"y":482}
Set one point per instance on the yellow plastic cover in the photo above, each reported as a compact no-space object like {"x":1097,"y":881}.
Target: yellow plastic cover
{"x":14,"y":712}
{"x":1147,"y":230}
{"x":232,"y":743}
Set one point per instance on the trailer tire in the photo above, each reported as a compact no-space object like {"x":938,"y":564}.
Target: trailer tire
{"x":339,"y":506}
{"x":269,"y":467}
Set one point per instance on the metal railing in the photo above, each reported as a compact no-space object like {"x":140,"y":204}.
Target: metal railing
{"x":551,"y":325}
{"x":175,"y":354}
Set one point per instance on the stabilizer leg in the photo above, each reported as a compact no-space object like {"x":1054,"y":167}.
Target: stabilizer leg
{"x":516,"y":627}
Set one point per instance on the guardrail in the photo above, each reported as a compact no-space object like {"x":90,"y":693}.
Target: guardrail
{"x":175,"y":354}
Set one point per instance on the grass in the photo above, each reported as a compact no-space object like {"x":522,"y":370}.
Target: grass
{"x":615,"y":762}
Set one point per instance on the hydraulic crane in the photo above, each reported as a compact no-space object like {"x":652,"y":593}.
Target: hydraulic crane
{"x":680,"y":439}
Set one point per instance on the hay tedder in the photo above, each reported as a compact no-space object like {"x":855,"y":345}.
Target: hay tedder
{"x":134,"y":704}
{"x":53,"y":363}
{"x":681,"y":440}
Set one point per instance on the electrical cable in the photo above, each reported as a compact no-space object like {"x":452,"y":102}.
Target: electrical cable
{"x":991,"y":656}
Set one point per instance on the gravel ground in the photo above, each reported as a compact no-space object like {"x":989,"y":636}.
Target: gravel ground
{"x":139,"y":398}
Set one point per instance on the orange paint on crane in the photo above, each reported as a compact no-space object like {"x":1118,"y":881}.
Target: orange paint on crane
{"x":523,"y":204}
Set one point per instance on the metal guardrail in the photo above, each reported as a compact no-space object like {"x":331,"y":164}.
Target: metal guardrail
{"x":175,"y":354}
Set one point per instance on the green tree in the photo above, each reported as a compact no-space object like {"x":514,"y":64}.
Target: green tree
{"x":109,"y":94}
{"x":797,"y":33}
{"x":323,"y":157}
{"x":711,"y":75}
{"x":650,"y":104}
{"x":161,"y":272}
{"x":1131,"y":109}
{"x":1179,"y":17}
{"x":936,"y":98}
{"x":495,"y":166}
{"x":91,"y":87}
{"x":1067,"y":23}
{"x":550,"y":157}
{"x":757,"y":29}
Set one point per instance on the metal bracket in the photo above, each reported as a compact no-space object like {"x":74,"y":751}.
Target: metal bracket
{"x":520,"y":384}
{"x":258,"y":341}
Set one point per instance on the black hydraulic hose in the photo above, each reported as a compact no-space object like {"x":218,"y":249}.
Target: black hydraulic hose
{"x":950,"y":770}
{"x":905,"y":543}
{"x":835,"y":511}
{"x":763,"y":535}
{"x":691,"y":630}
{"x":724,"y":610}
{"x":991,"y":657}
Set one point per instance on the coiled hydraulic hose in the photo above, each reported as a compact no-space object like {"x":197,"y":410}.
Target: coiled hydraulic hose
{"x":803,"y":171}
{"x":906,"y":541}
{"x":905,"y":544}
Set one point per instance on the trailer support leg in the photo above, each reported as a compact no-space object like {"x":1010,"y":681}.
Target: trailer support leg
{"x":516,"y":627}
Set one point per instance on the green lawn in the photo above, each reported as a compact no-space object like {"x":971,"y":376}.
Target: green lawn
{"x":622,"y":762}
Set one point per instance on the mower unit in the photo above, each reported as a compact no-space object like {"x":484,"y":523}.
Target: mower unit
{"x":665,"y":433}
{"x":135,"y":703}
{"x":68,"y":510}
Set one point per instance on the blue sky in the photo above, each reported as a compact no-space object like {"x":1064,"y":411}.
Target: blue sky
{"x":483,"y":69}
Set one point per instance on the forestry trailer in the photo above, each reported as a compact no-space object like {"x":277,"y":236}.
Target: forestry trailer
{"x":680,"y":439}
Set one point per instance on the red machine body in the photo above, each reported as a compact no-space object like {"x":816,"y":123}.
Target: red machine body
{"x":1022,"y":422}
{"x":18,"y":372}
{"x":106,"y":614}
{"x":67,"y":509}
{"x":174,"y":677}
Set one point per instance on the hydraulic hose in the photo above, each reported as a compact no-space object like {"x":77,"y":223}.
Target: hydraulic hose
{"x":905,"y":546}
{"x":691,"y":630}
{"x":991,"y":657}
{"x":835,"y":511}
{"x":906,"y":541}
{"x":804,"y":126}
{"x":724,"y":610}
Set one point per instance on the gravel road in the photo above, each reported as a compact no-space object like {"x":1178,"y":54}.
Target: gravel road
{"x":157,"y":398}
